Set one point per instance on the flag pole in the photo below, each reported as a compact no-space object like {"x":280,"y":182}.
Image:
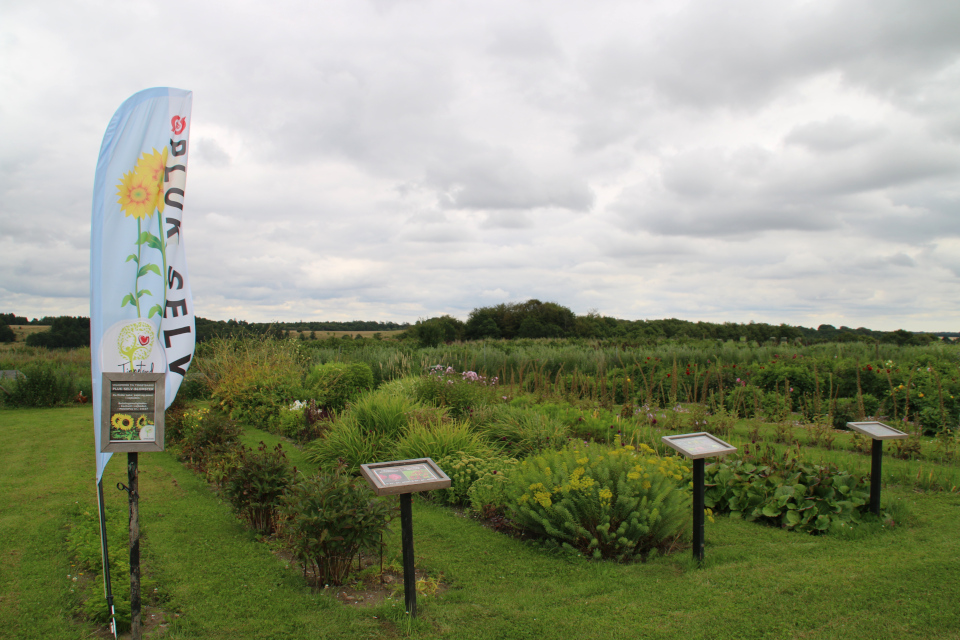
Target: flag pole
{"x":108,"y":591}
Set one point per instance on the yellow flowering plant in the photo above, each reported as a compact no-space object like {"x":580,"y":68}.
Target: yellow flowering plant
{"x":140,"y":194}
{"x":613,"y":502}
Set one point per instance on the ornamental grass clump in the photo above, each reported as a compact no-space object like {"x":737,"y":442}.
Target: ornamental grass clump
{"x":367,"y":432}
{"x":440,"y":439}
{"x":328,"y":519}
{"x":616,"y":502}
{"x":522,"y":433}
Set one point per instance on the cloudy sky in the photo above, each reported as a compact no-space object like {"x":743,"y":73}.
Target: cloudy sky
{"x":791,"y":161}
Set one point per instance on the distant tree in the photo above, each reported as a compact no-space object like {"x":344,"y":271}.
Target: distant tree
{"x":480,"y":325}
{"x":434,"y":331}
{"x":6,"y":333}
{"x":65,"y":332}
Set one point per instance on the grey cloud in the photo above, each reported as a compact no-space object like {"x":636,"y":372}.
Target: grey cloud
{"x":496,"y":179}
{"x":901,"y":260}
{"x":524,"y":42}
{"x":209,"y":150}
{"x":837,"y":133}
{"x":507,"y":220}
{"x":741,"y":54}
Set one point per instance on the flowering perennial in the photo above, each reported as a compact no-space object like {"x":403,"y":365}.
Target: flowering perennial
{"x":618,"y":502}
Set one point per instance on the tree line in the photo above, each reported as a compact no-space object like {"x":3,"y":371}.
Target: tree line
{"x":508,"y":320}
{"x":536,"y":319}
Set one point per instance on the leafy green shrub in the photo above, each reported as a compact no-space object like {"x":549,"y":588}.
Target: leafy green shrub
{"x":522,"y":433}
{"x":439,"y":440}
{"x":606,"y":502}
{"x":459,"y":392}
{"x":202,"y":435}
{"x":487,"y":494}
{"x":848,"y":410}
{"x":253,"y":379}
{"x":302,"y":421}
{"x":784,"y":491}
{"x":464,"y":470}
{"x":334,"y":384}
{"x":256,"y":484}
{"x":194,"y":387}
{"x":45,"y":385}
{"x":328,"y":519}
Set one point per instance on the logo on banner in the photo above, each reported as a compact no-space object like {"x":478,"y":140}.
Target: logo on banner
{"x":130,"y":346}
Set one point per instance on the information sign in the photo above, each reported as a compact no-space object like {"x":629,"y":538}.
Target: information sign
{"x":404,"y":476}
{"x":698,"y":445}
{"x":132,"y":410}
{"x":877,"y":430}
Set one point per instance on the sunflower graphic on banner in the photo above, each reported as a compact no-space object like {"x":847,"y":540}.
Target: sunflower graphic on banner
{"x":141,"y":307}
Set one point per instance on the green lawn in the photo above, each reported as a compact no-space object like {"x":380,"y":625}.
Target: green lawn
{"x":757,"y":582}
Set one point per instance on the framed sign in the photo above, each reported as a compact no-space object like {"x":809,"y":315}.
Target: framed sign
{"x":698,"y":445}
{"x":404,"y":476}
{"x":877,"y":430}
{"x":131,"y":412}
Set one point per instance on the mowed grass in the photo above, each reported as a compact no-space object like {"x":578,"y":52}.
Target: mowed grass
{"x":757,"y":582}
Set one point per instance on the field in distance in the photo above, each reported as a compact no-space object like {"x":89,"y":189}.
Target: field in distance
{"x":21,"y":331}
{"x":336,"y":334}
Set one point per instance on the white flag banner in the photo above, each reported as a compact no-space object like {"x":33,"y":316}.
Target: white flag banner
{"x":141,"y":308}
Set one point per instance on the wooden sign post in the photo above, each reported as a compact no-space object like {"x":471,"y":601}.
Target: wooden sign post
{"x":697,"y":446}
{"x":404,"y":478}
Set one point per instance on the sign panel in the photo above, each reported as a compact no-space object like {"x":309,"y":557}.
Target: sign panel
{"x":877,"y":430}
{"x":404,"y":476}
{"x":132,"y":411}
{"x":698,"y":445}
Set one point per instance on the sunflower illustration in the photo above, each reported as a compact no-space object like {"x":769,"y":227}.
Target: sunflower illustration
{"x":137,"y":194}
{"x":122,"y":421}
{"x":142,"y":422}
{"x":151,"y":167}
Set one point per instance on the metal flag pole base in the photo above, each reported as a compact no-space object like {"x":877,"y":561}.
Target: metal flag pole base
{"x":107,"y":589}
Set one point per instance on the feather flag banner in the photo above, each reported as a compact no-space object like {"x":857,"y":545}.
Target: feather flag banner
{"x":141,"y":308}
